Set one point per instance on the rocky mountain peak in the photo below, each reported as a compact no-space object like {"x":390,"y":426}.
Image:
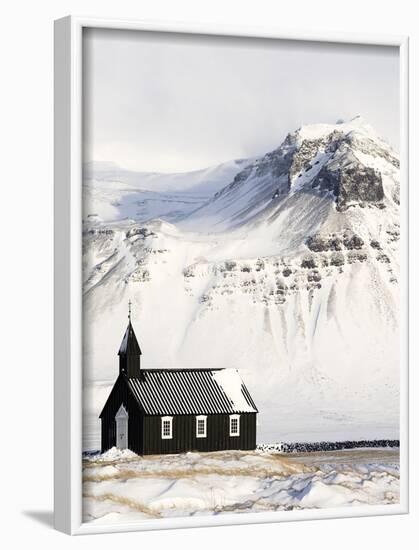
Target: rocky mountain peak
{"x":345,"y":162}
{"x":350,"y":181}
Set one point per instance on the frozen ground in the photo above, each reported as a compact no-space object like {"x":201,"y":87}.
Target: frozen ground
{"x":122,"y":487}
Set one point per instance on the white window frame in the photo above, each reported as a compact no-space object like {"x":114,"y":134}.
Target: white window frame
{"x":234,"y":417}
{"x":204,"y":418}
{"x":170,"y":420}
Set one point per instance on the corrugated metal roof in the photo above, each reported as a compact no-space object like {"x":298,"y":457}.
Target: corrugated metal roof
{"x":191,"y":391}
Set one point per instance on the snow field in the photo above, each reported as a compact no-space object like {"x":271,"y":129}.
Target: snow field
{"x":120,"y":486}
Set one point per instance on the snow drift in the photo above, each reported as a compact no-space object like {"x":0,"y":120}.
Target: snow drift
{"x":120,"y":487}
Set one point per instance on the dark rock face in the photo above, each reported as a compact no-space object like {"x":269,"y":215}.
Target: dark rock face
{"x":317,"y":243}
{"x":230,"y":265}
{"x":393,"y":233}
{"x":350,"y":181}
{"x":353,"y":242}
{"x":346,"y":247}
{"x":356,"y":257}
{"x":314,"y":276}
{"x":335,"y":141}
{"x":308,"y":262}
{"x":337,"y":259}
{"x":396,"y":195}
{"x":302,"y":158}
{"x":359,"y":184}
{"x":383,"y":258}
{"x":141,"y":231}
{"x":375,"y":244}
{"x":334,"y":243}
{"x":188,"y":272}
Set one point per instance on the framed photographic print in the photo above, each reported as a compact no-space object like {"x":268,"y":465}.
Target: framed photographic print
{"x":230,"y":275}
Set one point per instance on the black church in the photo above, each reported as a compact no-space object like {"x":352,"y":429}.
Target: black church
{"x":157,"y":411}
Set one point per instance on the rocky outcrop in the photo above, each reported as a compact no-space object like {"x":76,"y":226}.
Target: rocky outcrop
{"x":350,"y":181}
{"x":334,"y":242}
{"x":317,"y":243}
{"x":352,"y":241}
{"x":143,"y":232}
{"x":337,"y":259}
{"x":308,"y":262}
{"x":354,"y":257}
{"x":395,"y":195}
{"x":304,"y":155}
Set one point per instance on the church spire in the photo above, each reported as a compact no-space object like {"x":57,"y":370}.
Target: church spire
{"x":129,"y":351}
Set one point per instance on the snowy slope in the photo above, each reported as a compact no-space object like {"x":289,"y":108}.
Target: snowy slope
{"x":289,"y":274}
{"x":204,"y":182}
{"x":112,"y":193}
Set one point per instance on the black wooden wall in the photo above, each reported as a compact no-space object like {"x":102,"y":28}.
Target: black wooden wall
{"x":184,"y":434}
{"x":121,"y":394}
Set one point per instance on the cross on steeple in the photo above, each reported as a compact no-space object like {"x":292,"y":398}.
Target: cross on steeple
{"x":129,"y":310}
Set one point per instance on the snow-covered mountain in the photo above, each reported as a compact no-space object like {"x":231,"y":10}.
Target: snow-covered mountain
{"x":289,"y":272}
{"x":309,"y":161}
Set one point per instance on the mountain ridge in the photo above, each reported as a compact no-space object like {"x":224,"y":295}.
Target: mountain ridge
{"x":314,"y":148}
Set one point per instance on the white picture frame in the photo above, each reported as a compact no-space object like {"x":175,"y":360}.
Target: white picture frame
{"x":68,"y":280}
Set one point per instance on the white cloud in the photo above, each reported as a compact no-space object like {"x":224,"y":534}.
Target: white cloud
{"x":165,"y":102}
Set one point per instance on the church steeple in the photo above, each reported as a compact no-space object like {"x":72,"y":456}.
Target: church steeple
{"x":129,"y":351}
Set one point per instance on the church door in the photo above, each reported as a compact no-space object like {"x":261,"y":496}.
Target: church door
{"x":121,"y":420}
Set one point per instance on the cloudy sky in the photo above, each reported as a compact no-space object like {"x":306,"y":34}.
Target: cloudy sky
{"x":173,"y":103}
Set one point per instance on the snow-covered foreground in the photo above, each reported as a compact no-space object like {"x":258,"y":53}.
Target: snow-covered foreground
{"x":121,"y":486}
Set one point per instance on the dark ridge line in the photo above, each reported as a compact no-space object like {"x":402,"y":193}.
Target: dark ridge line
{"x":286,"y":447}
